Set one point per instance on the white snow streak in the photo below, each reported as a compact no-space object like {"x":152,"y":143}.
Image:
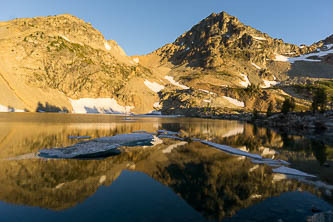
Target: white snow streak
{"x":206,"y":91}
{"x":98,"y":105}
{"x":245,"y":81}
{"x":107,"y":46}
{"x":268,"y":83}
{"x":304,"y":57}
{"x":255,"y":65}
{"x":173,"y":82}
{"x":234,"y":101}
{"x":259,"y":38}
{"x":153,"y":86}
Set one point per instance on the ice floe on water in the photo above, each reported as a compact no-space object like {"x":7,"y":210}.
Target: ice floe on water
{"x":167,"y":132}
{"x":99,"y":147}
{"x":271,"y":162}
{"x":79,"y":137}
{"x":98,"y":105}
{"x":291,"y":171}
{"x":153,"y":86}
{"x":167,"y":136}
{"x":173,"y":82}
{"x":231,"y":150}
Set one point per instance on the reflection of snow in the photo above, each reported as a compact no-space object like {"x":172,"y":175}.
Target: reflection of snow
{"x":173,"y":82}
{"x":153,"y":86}
{"x":234,"y":131}
{"x":98,"y":105}
{"x":171,"y":147}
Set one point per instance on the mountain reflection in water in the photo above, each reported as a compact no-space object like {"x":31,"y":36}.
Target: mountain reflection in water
{"x":209,"y":183}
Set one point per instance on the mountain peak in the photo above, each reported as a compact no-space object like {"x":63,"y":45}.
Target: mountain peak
{"x":216,"y":39}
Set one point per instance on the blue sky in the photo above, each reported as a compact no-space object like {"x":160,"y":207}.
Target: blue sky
{"x":141,"y":26}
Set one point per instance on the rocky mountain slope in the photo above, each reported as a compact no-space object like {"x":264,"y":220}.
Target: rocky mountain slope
{"x":46,"y":63}
{"x":61,"y":63}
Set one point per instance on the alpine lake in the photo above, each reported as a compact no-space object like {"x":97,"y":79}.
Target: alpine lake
{"x":167,"y":180}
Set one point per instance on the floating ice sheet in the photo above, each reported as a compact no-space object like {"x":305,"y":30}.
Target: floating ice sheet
{"x":291,"y":171}
{"x":231,"y":150}
{"x":79,"y":137}
{"x":99,"y":147}
{"x":167,"y":132}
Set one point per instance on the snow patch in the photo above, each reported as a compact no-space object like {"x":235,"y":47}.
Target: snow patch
{"x":173,"y":82}
{"x":246,"y":81}
{"x":64,"y":37}
{"x":98,"y":105}
{"x":107,"y":46}
{"x":173,"y":146}
{"x":234,"y":101}
{"x":280,"y":58}
{"x":206,"y":91}
{"x":102,"y":179}
{"x":10,"y":109}
{"x":304,"y":57}
{"x":268,"y":83}
{"x":259,"y":38}
{"x":255,"y":65}
{"x":136,"y":60}
{"x":328,"y":46}
{"x":153,"y":86}
{"x":157,"y":105}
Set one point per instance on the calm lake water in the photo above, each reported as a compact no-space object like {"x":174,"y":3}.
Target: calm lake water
{"x":172,"y":181}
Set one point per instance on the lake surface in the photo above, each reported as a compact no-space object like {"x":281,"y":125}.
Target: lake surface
{"x":171,"y":181}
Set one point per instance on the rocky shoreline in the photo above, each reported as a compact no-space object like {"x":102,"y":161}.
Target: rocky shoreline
{"x":313,"y":125}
